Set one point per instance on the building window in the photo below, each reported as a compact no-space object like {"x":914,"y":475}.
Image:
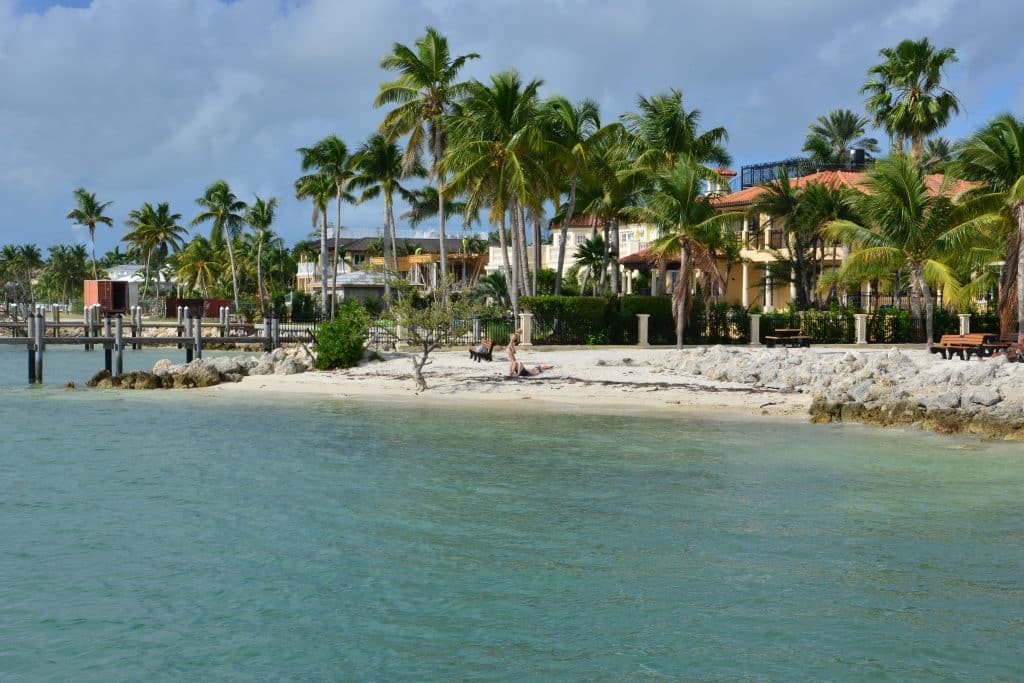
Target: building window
{"x":580,"y":239}
{"x":625,"y":236}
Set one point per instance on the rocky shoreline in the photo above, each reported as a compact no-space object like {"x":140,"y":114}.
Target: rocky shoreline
{"x":208,"y":372}
{"x":884,"y":388}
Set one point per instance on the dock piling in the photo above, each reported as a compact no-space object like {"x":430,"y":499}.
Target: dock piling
{"x":275,"y":332}
{"x":31,"y":334}
{"x":40,"y":345}
{"x":198,"y":321}
{"x":108,"y":359}
{"x":119,"y":345}
{"x":266,"y":334}
{"x":190,"y":349}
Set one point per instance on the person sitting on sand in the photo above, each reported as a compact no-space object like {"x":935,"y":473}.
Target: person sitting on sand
{"x":510,"y":351}
{"x":520,"y":370}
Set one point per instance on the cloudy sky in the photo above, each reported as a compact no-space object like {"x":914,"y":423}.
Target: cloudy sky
{"x":151,"y":100}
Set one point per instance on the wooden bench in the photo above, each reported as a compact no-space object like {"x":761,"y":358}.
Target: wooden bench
{"x":791,"y":340}
{"x":963,"y":346}
{"x":485,"y":354}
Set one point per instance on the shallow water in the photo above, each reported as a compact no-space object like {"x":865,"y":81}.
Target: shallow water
{"x":169,"y":536}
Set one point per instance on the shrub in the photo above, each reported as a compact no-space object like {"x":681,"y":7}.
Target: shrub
{"x":303,"y":307}
{"x":340,"y":342}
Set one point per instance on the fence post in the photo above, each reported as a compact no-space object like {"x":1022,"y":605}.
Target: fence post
{"x":476,"y":329}
{"x":275,"y":332}
{"x":860,"y":321}
{"x":526,"y":322}
{"x":642,"y":322}
{"x":400,"y":337}
{"x":268,"y":342}
{"x":965,"y":323}
{"x":755,"y":329}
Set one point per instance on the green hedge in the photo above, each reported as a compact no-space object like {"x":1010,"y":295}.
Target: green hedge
{"x":340,"y":342}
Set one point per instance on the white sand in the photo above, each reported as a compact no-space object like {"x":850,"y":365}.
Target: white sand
{"x":619,"y":380}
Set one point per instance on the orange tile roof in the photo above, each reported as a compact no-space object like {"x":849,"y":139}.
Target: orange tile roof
{"x":838,"y":179}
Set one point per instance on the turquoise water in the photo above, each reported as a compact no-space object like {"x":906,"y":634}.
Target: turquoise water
{"x":168,"y":536}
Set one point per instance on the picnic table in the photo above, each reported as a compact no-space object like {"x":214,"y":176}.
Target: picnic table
{"x":787,"y":336}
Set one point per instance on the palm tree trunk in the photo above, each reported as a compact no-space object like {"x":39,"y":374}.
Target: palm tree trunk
{"x":323,"y":266}
{"x":680,"y":292}
{"x":234,"y":270}
{"x":387,"y":250}
{"x":569,"y":208}
{"x":613,"y":251}
{"x":915,"y":297}
{"x":145,"y":276}
{"x":606,"y":256}
{"x":440,"y":197}
{"x":259,"y":275}
{"x":917,"y":147}
{"x":524,"y":249}
{"x":513,"y":293}
{"x":334,"y":264}
{"x":92,"y":240}
{"x":517,"y":255}
{"x":1018,"y":211}
{"x":536,"y":251}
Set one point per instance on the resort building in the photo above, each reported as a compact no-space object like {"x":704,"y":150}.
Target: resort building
{"x":419,"y":262}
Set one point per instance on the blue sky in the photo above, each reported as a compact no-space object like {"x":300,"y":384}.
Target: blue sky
{"x":151,"y":100}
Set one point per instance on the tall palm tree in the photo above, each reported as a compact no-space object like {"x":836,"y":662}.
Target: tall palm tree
{"x":902,"y":226}
{"x":320,"y":188}
{"x":260,"y":217}
{"x":330,"y":157}
{"x":678,"y":205}
{"x":89,"y":213}
{"x":833,"y":135}
{"x":154,"y":230}
{"x":905,"y":92}
{"x":226,"y":212}
{"x":663,"y":132}
{"x":378,"y":164}
{"x":498,"y":157}
{"x":995,"y":155}
{"x":938,"y":154}
{"x":573,"y":131}
{"x":423,"y":94}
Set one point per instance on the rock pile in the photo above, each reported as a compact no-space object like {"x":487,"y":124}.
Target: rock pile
{"x":207,"y":372}
{"x":891,"y":387}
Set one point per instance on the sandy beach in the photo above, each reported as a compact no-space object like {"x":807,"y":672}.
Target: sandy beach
{"x":585,"y":380}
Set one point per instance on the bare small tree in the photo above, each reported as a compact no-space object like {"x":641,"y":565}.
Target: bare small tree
{"x":429,"y":321}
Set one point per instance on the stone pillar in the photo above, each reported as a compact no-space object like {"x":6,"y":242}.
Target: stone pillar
{"x":965,"y":323}
{"x":526,"y":322}
{"x":628,"y":277}
{"x":745,"y":233}
{"x":642,"y":320}
{"x":755,"y":329}
{"x":745,"y":292}
{"x":476,"y":329}
{"x":400,"y":337}
{"x":792,"y":285}
{"x":860,"y":322}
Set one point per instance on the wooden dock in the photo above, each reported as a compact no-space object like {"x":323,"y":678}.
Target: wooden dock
{"x":110,"y":335}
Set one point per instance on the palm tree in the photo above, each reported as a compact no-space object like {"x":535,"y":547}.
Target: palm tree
{"x":330,"y":157}
{"x":423,"y":204}
{"x":379,"y":169}
{"x":67,"y":268}
{"x":905,"y":92}
{"x":995,"y":155}
{"x":154,"y":230}
{"x":663,"y":132}
{"x":424,"y":94}
{"x":574,"y":131}
{"x":678,"y":205}
{"x":320,"y":188}
{"x":498,"y":155}
{"x":89,"y":213}
{"x":938,"y":154}
{"x":834,"y":134}
{"x":226,"y":211}
{"x":199,"y":265}
{"x":592,"y":258}
{"x":260,"y":217}
{"x":492,"y":287}
{"x":902,"y":226}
